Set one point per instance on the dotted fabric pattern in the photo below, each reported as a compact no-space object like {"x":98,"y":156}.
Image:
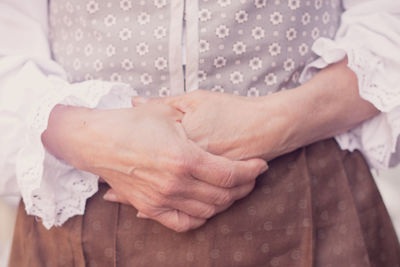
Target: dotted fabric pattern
{"x":120,"y":41}
{"x":256,"y":47}
{"x":246,"y":47}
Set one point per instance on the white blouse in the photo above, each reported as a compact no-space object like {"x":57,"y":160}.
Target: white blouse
{"x":31,"y":84}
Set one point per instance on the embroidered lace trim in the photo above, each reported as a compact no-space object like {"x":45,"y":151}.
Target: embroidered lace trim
{"x":372,"y":88}
{"x":51,"y":189}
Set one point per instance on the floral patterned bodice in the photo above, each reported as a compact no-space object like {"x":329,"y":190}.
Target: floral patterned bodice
{"x":245,"y":47}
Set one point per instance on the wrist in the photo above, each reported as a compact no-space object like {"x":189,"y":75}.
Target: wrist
{"x":321,"y":108}
{"x":65,"y":133}
{"x":304,"y":115}
{"x":280,"y":116}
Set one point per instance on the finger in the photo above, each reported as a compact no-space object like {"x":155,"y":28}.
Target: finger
{"x":174,"y":101}
{"x":164,"y":109}
{"x":211,"y":194}
{"x":193,"y":207}
{"x":176,"y":114}
{"x":176,"y":220}
{"x":172,"y":198}
{"x":242,"y":191}
{"x":140,"y":100}
{"x":112,"y":196}
{"x":149,"y":208}
{"x":141,"y":215}
{"x":161,"y":199}
{"x":179,"y":221}
{"x":226,"y":173}
{"x":222,"y":208}
{"x":156,"y":200}
{"x":168,"y":187}
{"x":123,"y":191}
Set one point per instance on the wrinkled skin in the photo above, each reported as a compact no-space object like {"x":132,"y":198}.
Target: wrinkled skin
{"x":144,"y":154}
{"x":240,"y":127}
{"x":224,"y":124}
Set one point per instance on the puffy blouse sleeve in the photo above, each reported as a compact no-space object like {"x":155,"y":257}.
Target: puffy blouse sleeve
{"x":369,"y":36}
{"x":31,"y":84}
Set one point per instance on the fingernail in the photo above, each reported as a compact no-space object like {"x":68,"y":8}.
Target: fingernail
{"x":141,"y":215}
{"x":264,"y":168}
{"x":110,"y":196}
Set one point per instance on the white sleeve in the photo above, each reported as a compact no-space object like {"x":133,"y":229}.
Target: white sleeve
{"x":31,"y":84}
{"x":369,"y":36}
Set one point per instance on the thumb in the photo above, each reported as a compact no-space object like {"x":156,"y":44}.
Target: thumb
{"x":174,"y":101}
{"x":142,"y":215}
{"x":140,"y":100}
{"x":112,"y":196}
{"x":223,"y":172}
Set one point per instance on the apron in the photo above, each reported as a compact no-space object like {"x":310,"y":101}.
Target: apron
{"x":317,"y":206}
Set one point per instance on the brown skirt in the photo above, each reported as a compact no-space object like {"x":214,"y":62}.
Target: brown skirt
{"x":317,"y":206}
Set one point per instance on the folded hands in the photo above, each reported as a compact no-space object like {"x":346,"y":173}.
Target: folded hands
{"x":180,"y":160}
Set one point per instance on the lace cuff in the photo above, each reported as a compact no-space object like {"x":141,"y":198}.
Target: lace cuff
{"x":377,"y":137}
{"x":51,"y":189}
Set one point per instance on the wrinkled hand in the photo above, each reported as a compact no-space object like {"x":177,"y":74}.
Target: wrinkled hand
{"x":145,"y":156}
{"x":223,"y":124}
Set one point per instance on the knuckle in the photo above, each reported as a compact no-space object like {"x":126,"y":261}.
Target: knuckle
{"x":180,"y":164}
{"x":182,"y":167}
{"x":170,"y":188}
{"x":159,"y":200}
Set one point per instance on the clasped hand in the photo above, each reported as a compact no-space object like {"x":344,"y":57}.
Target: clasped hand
{"x":143,"y":153}
{"x":240,"y":128}
{"x":180,"y":160}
